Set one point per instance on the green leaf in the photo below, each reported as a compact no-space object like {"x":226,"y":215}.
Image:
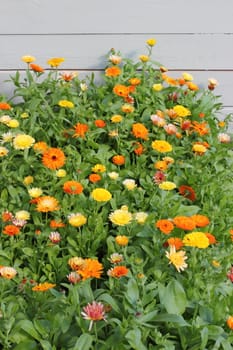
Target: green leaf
{"x":27,"y":344}
{"x":204,"y":338}
{"x":174,"y":299}
{"x":132,"y":292}
{"x":171,"y":318}
{"x":187,"y":210}
{"x":28,"y":327}
{"x":109,"y":300}
{"x":84,"y":342}
{"x":45,"y":345}
{"x":134,"y":339}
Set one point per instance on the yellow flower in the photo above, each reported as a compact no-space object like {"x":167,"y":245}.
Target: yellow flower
{"x":181,"y":111}
{"x":187,"y":76}
{"x":177,"y":258}
{"x":127,"y":108}
{"x":98,"y":168}
{"x":157,"y":87}
{"x":55,"y":61}
{"x":121,"y":217}
{"x":144,"y":58}
{"x":199,"y":149}
{"x":129,"y":184}
{"x":83,"y":87}
{"x":167,"y":185}
{"x":161,"y":146}
{"x":66,"y":103}
{"x":28,"y":180}
{"x":216,"y":263}
{"x":77,"y":219}
{"x":61,"y":173}
{"x":13,"y":123}
{"x":117,"y":118}
{"x":196,"y":239}
{"x":140,"y":217}
{"x":122,"y":240}
{"x":43,"y":287}
{"x":23,"y":141}
{"x":151,"y":42}
{"x":3,"y":151}
{"x":35,"y":192}
{"x":28,"y":59}
{"x":24,"y":115}
{"x":22,"y":215}
{"x":101,"y":195}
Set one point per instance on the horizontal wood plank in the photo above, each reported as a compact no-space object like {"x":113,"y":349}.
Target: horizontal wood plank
{"x":197,"y":51}
{"x":131,"y":16}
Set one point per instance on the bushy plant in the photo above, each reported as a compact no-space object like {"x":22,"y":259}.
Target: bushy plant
{"x":116,"y":210}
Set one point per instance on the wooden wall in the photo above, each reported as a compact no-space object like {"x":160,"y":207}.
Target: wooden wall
{"x":192,"y":36}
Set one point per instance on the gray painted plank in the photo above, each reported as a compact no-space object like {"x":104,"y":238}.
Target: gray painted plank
{"x":130,"y":16}
{"x":224,"y":89}
{"x":199,"y":51}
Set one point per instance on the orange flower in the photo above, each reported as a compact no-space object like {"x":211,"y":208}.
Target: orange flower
{"x":43,"y":287}
{"x":184,"y":222}
{"x":94,"y":178}
{"x":53,"y":158}
{"x":200,"y":220}
{"x":121,"y":90}
{"x":187,"y":192}
{"x":200,"y":128}
{"x":11,"y":230}
{"x":55,"y":61}
{"x":4,"y":106}
{"x":118,"y":159}
{"x":175,"y":241}
{"x":56,"y":224}
{"x":211,"y":238}
{"x":118,"y":271}
{"x":46,"y":204}
{"x":165,"y":226}
{"x":161,"y":165}
{"x":140,"y":131}
{"x":122,"y":240}
{"x":36,"y":68}
{"x":72,"y":187}
{"x":127,"y":108}
{"x":134,"y":81}
{"x":113,"y":71}
{"x":230,"y":322}
{"x":7,"y":216}
{"x":100,"y":123}
{"x":40,"y":146}
{"x":91,"y":268}
{"x":192,"y":86}
{"x":80,"y":130}
{"x":139,"y":149}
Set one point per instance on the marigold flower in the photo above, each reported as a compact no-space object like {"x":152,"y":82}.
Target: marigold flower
{"x":157,"y":120}
{"x":115,"y":59}
{"x":196,"y":239}
{"x":159,"y":177}
{"x":121,"y":217}
{"x":127,"y":108}
{"x":192,"y":86}
{"x":72,"y":187}
{"x":116,"y":258}
{"x":187,"y":76}
{"x":140,"y":131}
{"x":144,"y":58}
{"x":161,"y":146}
{"x":35,"y":192}
{"x":157,"y":87}
{"x":200,"y":220}
{"x":98,"y":168}
{"x":80,"y":130}
{"x":55,"y":61}
{"x":200,"y":128}
{"x":121,"y":90}
{"x":55,"y":237}
{"x":23,"y":141}
{"x":230,"y":322}
{"x":22,"y":215}
{"x":113,"y":175}
{"x":43,"y":287}
{"x":177,"y":258}
{"x":101,"y":195}
{"x":28,"y":58}
{"x":3,"y":151}
{"x":161,"y":165}
{"x":135,"y":81}
{"x":7,"y":216}
{"x":94,"y":312}
{"x":77,"y":219}
{"x":199,"y":149}
{"x":7,"y":136}
{"x":56,"y":224}
{"x":211,"y":238}
{"x":139,"y":149}
{"x":122,"y":240}
{"x":74,"y":277}
{"x":130,"y":184}
{"x":53,"y":158}
{"x":40,"y":147}
{"x":46,"y":204}
{"x":167,"y":185}
{"x":36,"y":68}
{"x":113,"y":71}
{"x":91,"y":268}
{"x":66,"y":104}
{"x":13,"y":123}
{"x":118,"y":271}
{"x":7,"y":272}
{"x":100,"y":123}
{"x":187,"y":192}
{"x":170,"y":129}
{"x":61,"y":173}
{"x":181,"y":111}
{"x":11,"y":230}
{"x":28,"y":180}
{"x":76,"y":263}
{"x":68,"y":76}
{"x":174,"y":241}
{"x":94,"y":178}
{"x":118,"y":159}
{"x":184,"y":223}
{"x":224,"y":138}
{"x":116,"y":118}
{"x":165,"y":226}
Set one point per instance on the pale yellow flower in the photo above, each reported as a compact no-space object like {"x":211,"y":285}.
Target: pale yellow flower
{"x":77,"y":219}
{"x":7,"y":137}
{"x":13,"y":123}
{"x":83,"y":87}
{"x":157,"y":87}
{"x":140,"y":217}
{"x":3,"y":151}
{"x":177,"y":258}
{"x":130,"y":184}
{"x":113,"y":175}
{"x":187,"y":76}
{"x":101,"y":195}
{"x":23,"y":141}
{"x":121,"y":217}
{"x":115,"y":59}
{"x":4,"y":119}
{"x":61,"y":173}
{"x":167,"y":185}
{"x":22,"y":215}
{"x":35,"y":192}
